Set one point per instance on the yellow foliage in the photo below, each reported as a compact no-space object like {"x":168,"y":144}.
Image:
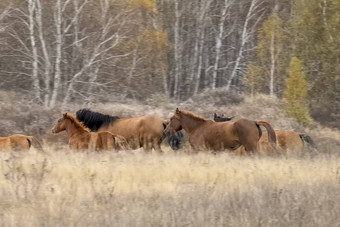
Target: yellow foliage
{"x":253,"y":77}
{"x":296,"y":93}
{"x":147,"y":5}
{"x":147,"y":40}
{"x":153,"y":39}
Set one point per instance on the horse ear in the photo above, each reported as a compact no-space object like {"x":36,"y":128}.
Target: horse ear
{"x":177,"y":111}
{"x":215,"y":115}
{"x":64,"y":115}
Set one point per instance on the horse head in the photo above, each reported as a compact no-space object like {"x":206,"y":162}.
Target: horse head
{"x":60,"y":125}
{"x":174,"y":124}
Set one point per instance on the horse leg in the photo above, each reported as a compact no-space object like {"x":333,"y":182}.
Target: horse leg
{"x":239,"y":151}
{"x":92,"y":146}
{"x":146,"y":144}
{"x":111,"y":141}
{"x":157,"y":146}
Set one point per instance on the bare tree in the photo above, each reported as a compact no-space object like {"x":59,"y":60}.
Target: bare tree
{"x":219,"y":38}
{"x":254,"y":13}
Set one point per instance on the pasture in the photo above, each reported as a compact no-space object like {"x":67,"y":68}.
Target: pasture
{"x":132,"y":188}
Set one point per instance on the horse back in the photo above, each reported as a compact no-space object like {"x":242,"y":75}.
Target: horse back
{"x":18,"y":142}
{"x":137,"y":129}
{"x":214,"y":135}
{"x":5,"y":143}
{"x":286,"y":140}
{"x":289,"y":140}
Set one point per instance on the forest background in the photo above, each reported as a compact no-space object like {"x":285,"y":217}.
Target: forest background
{"x":62,"y":52}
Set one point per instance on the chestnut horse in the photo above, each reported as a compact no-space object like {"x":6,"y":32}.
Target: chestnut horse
{"x":143,"y":131}
{"x":208,"y":134}
{"x":80,"y":138}
{"x":19,"y":142}
{"x":285,"y":139}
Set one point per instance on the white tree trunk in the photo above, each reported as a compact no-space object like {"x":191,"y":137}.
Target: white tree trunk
{"x":244,"y":39}
{"x":177,"y":54}
{"x":218,"y":44}
{"x":57,"y":74}
{"x":47,"y":76}
{"x":35,"y":76}
{"x":199,"y":45}
{"x":272,"y":65}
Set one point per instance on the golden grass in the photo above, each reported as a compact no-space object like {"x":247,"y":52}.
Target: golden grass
{"x":133,"y":188}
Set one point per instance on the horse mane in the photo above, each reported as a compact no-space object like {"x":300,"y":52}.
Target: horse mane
{"x":192,"y":115}
{"x":222,"y":118}
{"x":94,"y":120}
{"x":77,"y":123}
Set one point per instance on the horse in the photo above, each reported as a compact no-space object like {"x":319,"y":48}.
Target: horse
{"x":222,"y":118}
{"x":142,"y":131}
{"x":175,"y":140}
{"x":208,"y":134}
{"x":80,"y":137}
{"x":286,"y":139}
{"x":20,"y":142}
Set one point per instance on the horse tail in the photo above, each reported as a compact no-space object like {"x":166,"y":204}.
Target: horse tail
{"x":270,"y":130}
{"x":29,"y":143}
{"x":32,"y":141}
{"x":308,"y":140}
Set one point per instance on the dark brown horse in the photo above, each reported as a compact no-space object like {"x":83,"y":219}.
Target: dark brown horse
{"x":207,"y":134}
{"x":80,"y":137}
{"x":143,"y":131}
{"x":221,"y":118}
{"x":19,"y":142}
{"x":286,"y":140}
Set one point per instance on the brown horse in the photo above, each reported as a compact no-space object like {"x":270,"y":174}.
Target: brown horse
{"x":80,"y":137}
{"x":19,"y":142}
{"x":207,"y":134}
{"x":286,"y":140}
{"x":143,"y":131}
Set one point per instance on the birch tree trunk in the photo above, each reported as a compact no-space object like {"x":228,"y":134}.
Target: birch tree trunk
{"x":272,"y":65}
{"x":253,"y":9}
{"x":218,"y":44}
{"x":177,"y":54}
{"x":199,"y":45}
{"x":57,"y":74}
{"x":35,"y":76}
{"x":47,"y":65}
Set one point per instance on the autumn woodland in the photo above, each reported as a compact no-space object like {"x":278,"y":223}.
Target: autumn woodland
{"x":271,"y":60}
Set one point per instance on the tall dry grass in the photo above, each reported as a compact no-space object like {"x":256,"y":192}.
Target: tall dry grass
{"x":132,"y":188}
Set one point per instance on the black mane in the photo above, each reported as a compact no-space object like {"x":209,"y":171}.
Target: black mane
{"x":221,"y":119}
{"x":94,"y":120}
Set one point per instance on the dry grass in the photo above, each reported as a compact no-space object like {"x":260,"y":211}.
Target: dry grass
{"x":131,"y":188}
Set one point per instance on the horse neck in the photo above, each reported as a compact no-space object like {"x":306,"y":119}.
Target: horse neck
{"x":189,"y":123}
{"x":72,"y":130}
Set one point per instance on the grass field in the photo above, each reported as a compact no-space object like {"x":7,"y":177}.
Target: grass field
{"x":132,"y":188}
